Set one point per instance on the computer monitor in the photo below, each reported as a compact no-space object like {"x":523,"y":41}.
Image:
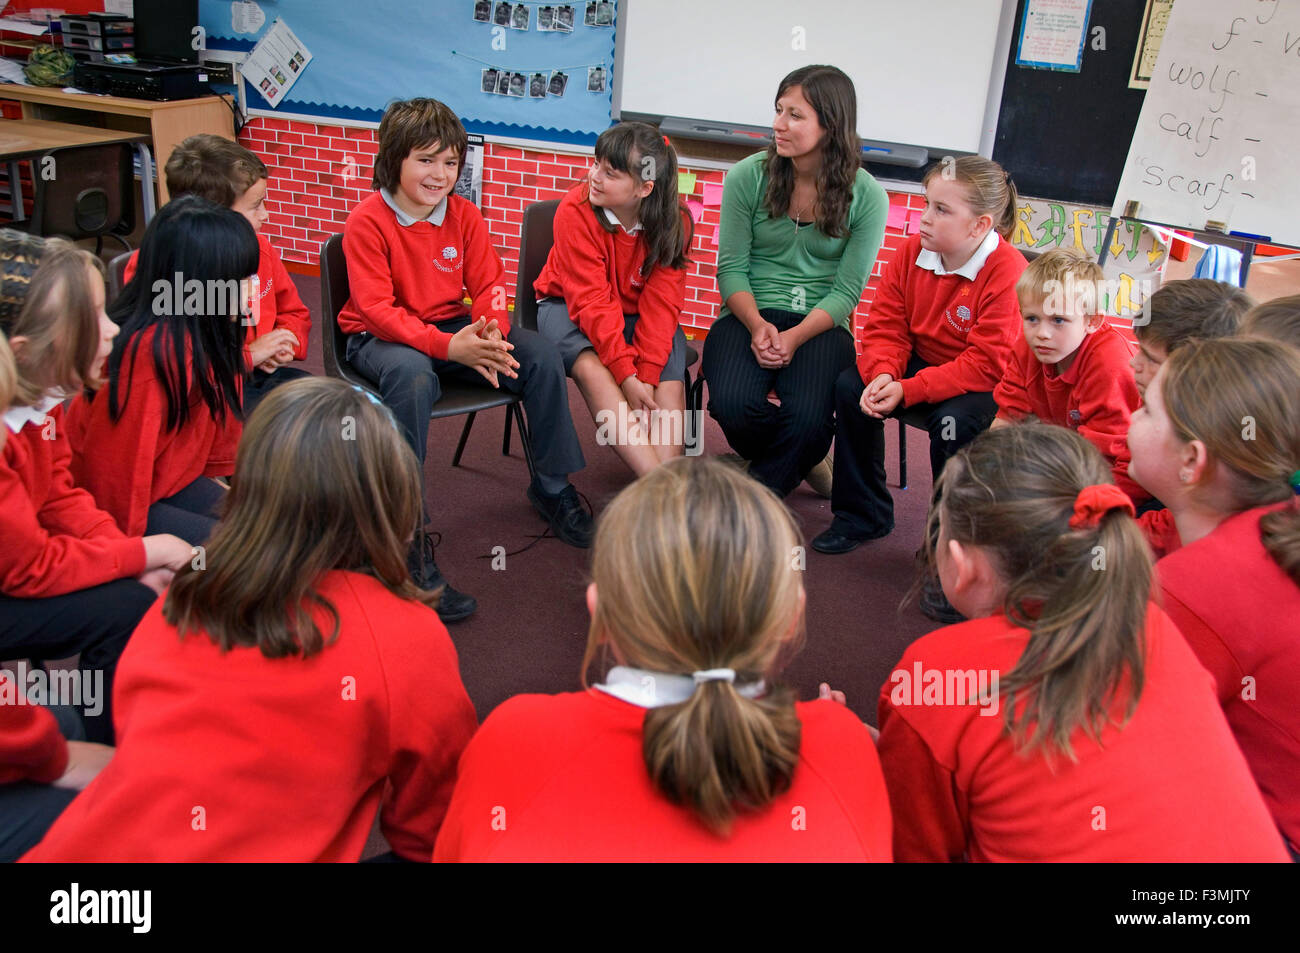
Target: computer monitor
{"x":164,"y":31}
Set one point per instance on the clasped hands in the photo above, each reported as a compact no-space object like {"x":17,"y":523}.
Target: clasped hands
{"x":772,"y":348}
{"x":881,"y":396}
{"x":482,"y":346}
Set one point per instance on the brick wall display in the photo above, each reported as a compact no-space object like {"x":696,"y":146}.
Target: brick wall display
{"x":319,"y":172}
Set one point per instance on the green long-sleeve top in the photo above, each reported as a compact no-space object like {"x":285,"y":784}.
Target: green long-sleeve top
{"x":796,"y":268}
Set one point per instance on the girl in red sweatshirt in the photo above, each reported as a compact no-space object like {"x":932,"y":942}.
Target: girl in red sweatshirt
{"x":1067,"y":720}
{"x":1217,"y":442}
{"x":688,"y":749}
{"x":71,"y":583}
{"x":936,"y":341}
{"x":273,"y":702}
{"x":149,"y":443}
{"x":612,"y":291}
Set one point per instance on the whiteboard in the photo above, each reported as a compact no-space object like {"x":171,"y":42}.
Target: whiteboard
{"x":1218,"y":135}
{"x":923,"y":69}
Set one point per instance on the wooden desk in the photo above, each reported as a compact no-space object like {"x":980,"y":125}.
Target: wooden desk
{"x":165,"y":123}
{"x":32,"y":138}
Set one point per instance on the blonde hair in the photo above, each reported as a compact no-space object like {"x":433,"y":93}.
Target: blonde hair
{"x":694,"y":569}
{"x":1213,"y":392}
{"x":1063,"y":272}
{"x":59,"y":324}
{"x":1278,"y":319}
{"x":8,"y":378}
{"x":989,"y":189}
{"x":1012,"y":492}
{"x":286,"y":524}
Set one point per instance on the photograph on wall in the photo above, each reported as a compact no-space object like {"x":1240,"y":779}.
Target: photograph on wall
{"x":589,"y":18}
{"x":518,"y":84}
{"x":545,"y":19}
{"x":537,"y":86}
{"x":604,"y":13}
{"x":501,"y":13}
{"x":483,"y":11}
{"x":470,"y":184}
{"x":557,"y":84}
{"x":490,"y":79}
{"x":521,"y":17}
{"x":503,"y":83}
{"x":595,"y":79}
{"x":564,"y":19}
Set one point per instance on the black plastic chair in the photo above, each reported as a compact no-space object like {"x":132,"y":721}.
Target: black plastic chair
{"x":117,"y":274}
{"x":536,"y":236}
{"x":90,"y":193}
{"x":457,"y":397}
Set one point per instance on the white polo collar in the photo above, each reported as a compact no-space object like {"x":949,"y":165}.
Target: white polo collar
{"x":931,"y":261}
{"x":655,"y":689}
{"x":433,"y":218}
{"x":16,"y":418}
{"x":613,"y":220}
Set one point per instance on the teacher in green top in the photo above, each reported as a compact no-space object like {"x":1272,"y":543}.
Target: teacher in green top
{"x":801,"y":226}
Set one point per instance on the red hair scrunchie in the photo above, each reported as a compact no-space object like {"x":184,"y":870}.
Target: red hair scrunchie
{"x":1094,"y":502}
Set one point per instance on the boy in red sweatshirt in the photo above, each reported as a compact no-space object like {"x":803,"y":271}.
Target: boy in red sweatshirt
{"x":414,"y":248}
{"x":226,"y":173}
{"x":1070,"y":367}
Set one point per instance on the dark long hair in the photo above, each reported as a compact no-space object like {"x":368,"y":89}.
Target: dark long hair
{"x":638,"y":149}
{"x":190,"y":240}
{"x":830,"y":93}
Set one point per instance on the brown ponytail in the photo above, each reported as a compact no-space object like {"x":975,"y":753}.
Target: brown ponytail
{"x":1082,"y":593}
{"x":1240,"y":397}
{"x":695,"y":569}
{"x":989,"y":188}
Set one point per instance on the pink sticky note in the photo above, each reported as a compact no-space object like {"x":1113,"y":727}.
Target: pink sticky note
{"x":914,"y":221}
{"x":712,"y":194}
{"x":897,"y":216}
{"x":715,"y":237}
{"x":696,"y":209}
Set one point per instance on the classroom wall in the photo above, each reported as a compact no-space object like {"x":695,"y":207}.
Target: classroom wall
{"x":313,"y":187}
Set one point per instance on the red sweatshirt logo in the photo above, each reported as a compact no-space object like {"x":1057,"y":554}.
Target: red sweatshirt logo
{"x":451,"y":255}
{"x":963,"y":316}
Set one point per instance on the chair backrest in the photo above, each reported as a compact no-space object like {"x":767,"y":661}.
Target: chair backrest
{"x":88,"y":193}
{"x":334,"y":295}
{"x":536,"y":236}
{"x":117,"y":274}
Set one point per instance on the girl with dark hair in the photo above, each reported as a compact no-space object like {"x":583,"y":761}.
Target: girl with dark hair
{"x":71,"y":582}
{"x":300,"y":670}
{"x":148,"y":444}
{"x":1067,"y":720}
{"x":1217,"y":441}
{"x":613,"y":288}
{"x":801,"y":226}
{"x":689,"y":749}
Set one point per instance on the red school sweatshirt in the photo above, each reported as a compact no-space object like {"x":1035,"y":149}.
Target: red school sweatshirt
{"x":963,"y":328}
{"x":1240,"y":613}
{"x":56,"y":539}
{"x":31,"y":746}
{"x":1171,"y":786}
{"x":543,"y":767}
{"x":236,"y":757}
{"x":280,"y":305}
{"x":129,"y":465}
{"x":598,"y":274}
{"x":1095,"y":397}
{"x":405,"y":279}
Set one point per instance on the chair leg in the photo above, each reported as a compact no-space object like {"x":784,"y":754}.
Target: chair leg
{"x":902,"y":454}
{"x":505,"y":440}
{"x":464,"y":435}
{"x":525,"y":438}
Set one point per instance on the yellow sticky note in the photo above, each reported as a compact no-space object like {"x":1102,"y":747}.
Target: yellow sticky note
{"x":686,"y":183}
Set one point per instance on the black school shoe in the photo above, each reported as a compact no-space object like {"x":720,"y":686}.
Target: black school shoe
{"x":834,"y":543}
{"x":452,"y":606}
{"x":570,"y":522}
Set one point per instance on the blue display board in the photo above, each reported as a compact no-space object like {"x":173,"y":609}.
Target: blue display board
{"x":367,"y":53}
